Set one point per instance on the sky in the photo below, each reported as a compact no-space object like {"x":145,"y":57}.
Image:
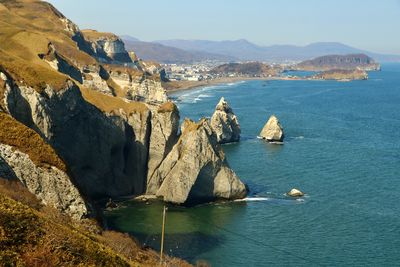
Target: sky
{"x":372,"y":25}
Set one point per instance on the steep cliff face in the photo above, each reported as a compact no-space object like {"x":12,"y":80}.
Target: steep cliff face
{"x":25,"y":156}
{"x":107,"y":46}
{"x":164,"y":134}
{"x":196,"y":170}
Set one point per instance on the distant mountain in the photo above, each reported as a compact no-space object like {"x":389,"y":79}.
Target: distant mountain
{"x":166,"y":54}
{"x":339,"y":62}
{"x":245,"y":50}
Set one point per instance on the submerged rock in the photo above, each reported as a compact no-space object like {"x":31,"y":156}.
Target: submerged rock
{"x":225,"y":124}
{"x":196,"y":170}
{"x":272,"y":131}
{"x":295,"y":193}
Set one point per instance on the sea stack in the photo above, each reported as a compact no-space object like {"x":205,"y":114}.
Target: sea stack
{"x":272,"y":131}
{"x":225,"y":123}
{"x":196,"y":170}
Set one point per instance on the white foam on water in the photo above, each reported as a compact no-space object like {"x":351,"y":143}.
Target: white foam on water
{"x":247,"y":199}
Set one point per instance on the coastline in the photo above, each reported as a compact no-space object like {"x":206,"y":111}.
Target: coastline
{"x":173,"y":87}
{"x":177,"y":86}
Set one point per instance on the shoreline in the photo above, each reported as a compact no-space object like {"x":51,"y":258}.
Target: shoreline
{"x":178,"y":86}
{"x":174,"y":87}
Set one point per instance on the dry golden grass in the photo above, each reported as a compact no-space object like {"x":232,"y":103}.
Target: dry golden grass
{"x":167,"y":107}
{"x":35,"y":235}
{"x":26,"y":140}
{"x":26,"y":28}
{"x":109,"y":104}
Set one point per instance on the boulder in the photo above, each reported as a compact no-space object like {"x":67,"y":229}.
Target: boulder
{"x":196,"y":170}
{"x":225,"y":124}
{"x":272,"y":131}
{"x":295,"y":193}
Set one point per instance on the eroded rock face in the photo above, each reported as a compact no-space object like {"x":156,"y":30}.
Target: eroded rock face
{"x":107,"y":47}
{"x":98,"y":149}
{"x":225,"y":124}
{"x":164,"y":134}
{"x":272,"y":131}
{"x":49,"y":184}
{"x":196,"y":170}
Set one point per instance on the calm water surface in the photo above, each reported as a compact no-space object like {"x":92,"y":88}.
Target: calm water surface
{"x":342,"y":148}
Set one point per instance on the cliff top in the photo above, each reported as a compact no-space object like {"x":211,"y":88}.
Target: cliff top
{"x":93,"y":35}
{"x":28,"y":141}
{"x":110,"y":104}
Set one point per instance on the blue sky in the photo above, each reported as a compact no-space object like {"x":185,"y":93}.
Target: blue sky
{"x":367,"y":24}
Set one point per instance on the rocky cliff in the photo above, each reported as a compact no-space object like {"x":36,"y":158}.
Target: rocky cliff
{"x":24,"y":155}
{"x":107,"y":46}
{"x":225,"y":123}
{"x":110,"y":124}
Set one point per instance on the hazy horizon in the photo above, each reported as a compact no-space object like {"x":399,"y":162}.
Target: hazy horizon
{"x":367,"y":25}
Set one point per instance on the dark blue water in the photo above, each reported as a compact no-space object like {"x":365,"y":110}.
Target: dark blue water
{"x":342,"y":148}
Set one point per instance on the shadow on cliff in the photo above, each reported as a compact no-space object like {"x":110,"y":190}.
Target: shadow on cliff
{"x":99,"y":150}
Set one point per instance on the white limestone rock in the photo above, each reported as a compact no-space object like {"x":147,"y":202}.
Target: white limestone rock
{"x":225,"y":123}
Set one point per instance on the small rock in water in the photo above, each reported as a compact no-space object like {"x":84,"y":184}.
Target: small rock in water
{"x":272,"y":131}
{"x":295,"y":193}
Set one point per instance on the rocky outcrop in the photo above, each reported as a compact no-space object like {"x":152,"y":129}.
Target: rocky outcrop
{"x":196,"y":170}
{"x":25,"y":156}
{"x":50,"y":184}
{"x":295,"y":193}
{"x":137,"y":85}
{"x":272,"y":131}
{"x":107,"y":46}
{"x":225,"y":123}
{"x":164,"y":134}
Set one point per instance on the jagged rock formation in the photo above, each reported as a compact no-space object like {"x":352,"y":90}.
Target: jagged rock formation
{"x":339,"y":62}
{"x":272,"y":130}
{"x":107,"y":46}
{"x":196,"y":168}
{"x":25,"y":156}
{"x":225,"y":123}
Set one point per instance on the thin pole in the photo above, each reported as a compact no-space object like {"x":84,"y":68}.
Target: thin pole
{"x":162,"y":234}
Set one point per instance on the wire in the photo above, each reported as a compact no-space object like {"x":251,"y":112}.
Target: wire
{"x":257,"y":241}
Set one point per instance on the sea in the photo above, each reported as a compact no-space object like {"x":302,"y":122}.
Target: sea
{"x":341,"y":147}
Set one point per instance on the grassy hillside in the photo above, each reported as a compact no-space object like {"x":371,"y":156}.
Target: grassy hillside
{"x":36,"y":235}
{"x":27,"y":27}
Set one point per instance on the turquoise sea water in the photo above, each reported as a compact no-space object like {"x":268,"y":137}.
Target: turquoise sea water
{"x":342,"y":148}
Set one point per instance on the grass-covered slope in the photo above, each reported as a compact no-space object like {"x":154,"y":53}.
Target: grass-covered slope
{"x":26,"y":28}
{"x":36,"y":235}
